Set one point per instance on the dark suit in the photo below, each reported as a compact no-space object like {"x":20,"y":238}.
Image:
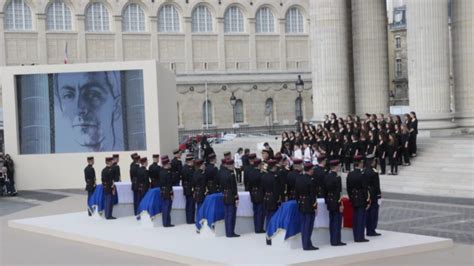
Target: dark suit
{"x":143,"y":183}
{"x":212,"y":179}
{"x":271,"y":194}
{"x":228,"y":186}
{"x":256,"y":196}
{"x":154,"y":173}
{"x":116,"y":172}
{"x":176,"y":168}
{"x":199,"y":187}
{"x":133,"y":178}
{"x":166,"y":193}
{"x":108,"y":185}
{"x":187,"y":175}
{"x":89,"y":176}
{"x":373,"y":182}
{"x":307,"y":204}
{"x":358,"y":194}
{"x":333,"y":186}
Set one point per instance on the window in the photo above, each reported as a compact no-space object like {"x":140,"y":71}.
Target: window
{"x":265,"y":23}
{"x":269,"y":108}
{"x":58,"y":17}
{"x":298,"y":109}
{"x":207,"y":113}
{"x":398,"y":67}
{"x":168,"y":19}
{"x":133,"y":19}
{"x":398,"y":41}
{"x":233,"y":20}
{"x":294,"y":21}
{"x":201,"y":19}
{"x":239,"y":111}
{"x":97,"y":18}
{"x":18,"y":16}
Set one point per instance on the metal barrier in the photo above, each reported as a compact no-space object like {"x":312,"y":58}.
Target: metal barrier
{"x":264,"y":130}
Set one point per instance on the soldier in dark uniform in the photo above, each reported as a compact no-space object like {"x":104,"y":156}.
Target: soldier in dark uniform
{"x":199,"y":183}
{"x":271,"y":193}
{"x":334,"y":203}
{"x":373,"y":180}
{"x":357,"y":190}
{"x":282,"y":172}
{"x":116,"y":168}
{"x":256,"y":196}
{"x":143,"y":180}
{"x":109,"y":188}
{"x":133,"y":178}
{"x":248,"y":169}
{"x":307,"y":205}
{"x":154,"y":171}
{"x":166,"y":190}
{"x":228,"y":186}
{"x":291,"y":178}
{"x":319,"y":174}
{"x":227,"y":156}
{"x":89,"y":175}
{"x":176,"y":167}
{"x":187,"y":174}
{"x":211,"y":174}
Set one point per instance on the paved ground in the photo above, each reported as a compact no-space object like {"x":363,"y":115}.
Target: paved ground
{"x":404,"y":213}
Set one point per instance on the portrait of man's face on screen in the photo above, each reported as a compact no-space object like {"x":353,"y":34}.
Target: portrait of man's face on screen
{"x":89,"y":111}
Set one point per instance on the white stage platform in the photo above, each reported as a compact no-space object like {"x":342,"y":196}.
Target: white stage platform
{"x":182,"y":243}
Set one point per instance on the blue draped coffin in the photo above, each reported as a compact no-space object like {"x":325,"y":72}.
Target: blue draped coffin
{"x":97,"y":199}
{"x":212,"y":210}
{"x":150,"y":204}
{"x":286,"y":218}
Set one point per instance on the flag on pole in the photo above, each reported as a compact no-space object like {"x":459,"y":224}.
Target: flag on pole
{"x":66,"y":59}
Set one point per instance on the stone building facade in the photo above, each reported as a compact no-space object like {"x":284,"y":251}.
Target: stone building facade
{"x":253,"y":48}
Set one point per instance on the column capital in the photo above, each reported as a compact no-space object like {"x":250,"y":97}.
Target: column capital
{"x":41,"y":16}
{"x":81,"y":17}
{"x":117,"y":17}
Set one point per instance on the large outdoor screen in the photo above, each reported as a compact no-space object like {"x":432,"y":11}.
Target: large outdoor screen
{"x":81,"y":112}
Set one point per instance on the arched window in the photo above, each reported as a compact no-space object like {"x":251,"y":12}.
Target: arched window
{"x":269,"y":110}
{"x":233,"y":20}
{"x":265,"y":22}
{"x":58,"y":17}
{"x":97,"y":18}
{"x":168,"y":19}
{"x":133,"y":18}
{"x":298,"y":109}
{"x":239,"y":111}
{"x":18,"y":16}
{"x":207,"y":113}
{"x":201,"y":19}
{"x":294,"y":21}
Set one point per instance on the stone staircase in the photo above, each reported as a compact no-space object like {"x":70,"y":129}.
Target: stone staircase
{"x":444,"y":167}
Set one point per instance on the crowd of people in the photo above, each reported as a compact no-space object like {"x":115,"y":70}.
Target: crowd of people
{"x":7,"y":176}
{"x":389,"y":139}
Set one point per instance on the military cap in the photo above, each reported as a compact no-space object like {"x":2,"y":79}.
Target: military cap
{"x":165,"y":159}
{"x":227,"y":153}
{"x":258,"y":161}
{"x":229,"y":162}
{"x":155,"y":156}
{"x":90,"y":158}
{"x":211,"y":156}
{"x":115,"y":156}
{"x":308,"y":166}
{"x":198,"y":162}
{"x":143,"y":160}
{"x":271,"y":163}
{"x":297,"y":161}
{"x":252,"y":156}
{"x":334,"y":162}
{"x":189,"y":157}
{"x":358,"y":158}
{"x":321,"y":157}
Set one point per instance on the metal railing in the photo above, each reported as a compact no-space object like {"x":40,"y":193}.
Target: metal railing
{"x":264,"y":130}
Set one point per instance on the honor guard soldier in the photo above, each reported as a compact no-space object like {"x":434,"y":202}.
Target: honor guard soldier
{"x":271,"y":193}
{"x":133,"y":178}
{"x":373,"y":180}
{"x":333,"y":201}
{"x":292,"y":176}
{"x":211,"y":173}
{"x":154,"y":171}
{"x":227,"y":156}
{"x":109,"y":188}
{"x":176,"y":167}
{"x":166,"y":190}
{"x":248,"y":169}
{"x":143,"y":180}
{"x":359,"y":196}
{"x":307,"y":205}
{"x":187,"y":177}
{"x":228,"y":186}
{"x":282,"y":172}
{"x":116,"y":168}
{"x":256,"y":196}
{"x":319,"y":174}
{"x":89,"y":175}
{"x":199,"y":183}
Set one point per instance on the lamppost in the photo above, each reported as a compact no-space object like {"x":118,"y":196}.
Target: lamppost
{"x":233,"y":100}
{"x":300,"y":88}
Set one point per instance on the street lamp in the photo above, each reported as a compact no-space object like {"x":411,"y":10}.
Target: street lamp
{"x":300,"y":88}
{"x":233,"y":100}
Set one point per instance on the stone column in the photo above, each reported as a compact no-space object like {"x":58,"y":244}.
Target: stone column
{"x":118,"y":38}
{"x":81,"y":39}
{"x":252,"y":45}
{"x":188,"y":45}
{"x":463,"y":61}
{"x":283,"y":55}
{"x":221,"y":44}
{"x":428,"y":62}
{"x":154,"y":38}
{"x":42,"y":41}
{"x":3,"y":56}
{"x":330,"y":35}
{"x":369,"y":39}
